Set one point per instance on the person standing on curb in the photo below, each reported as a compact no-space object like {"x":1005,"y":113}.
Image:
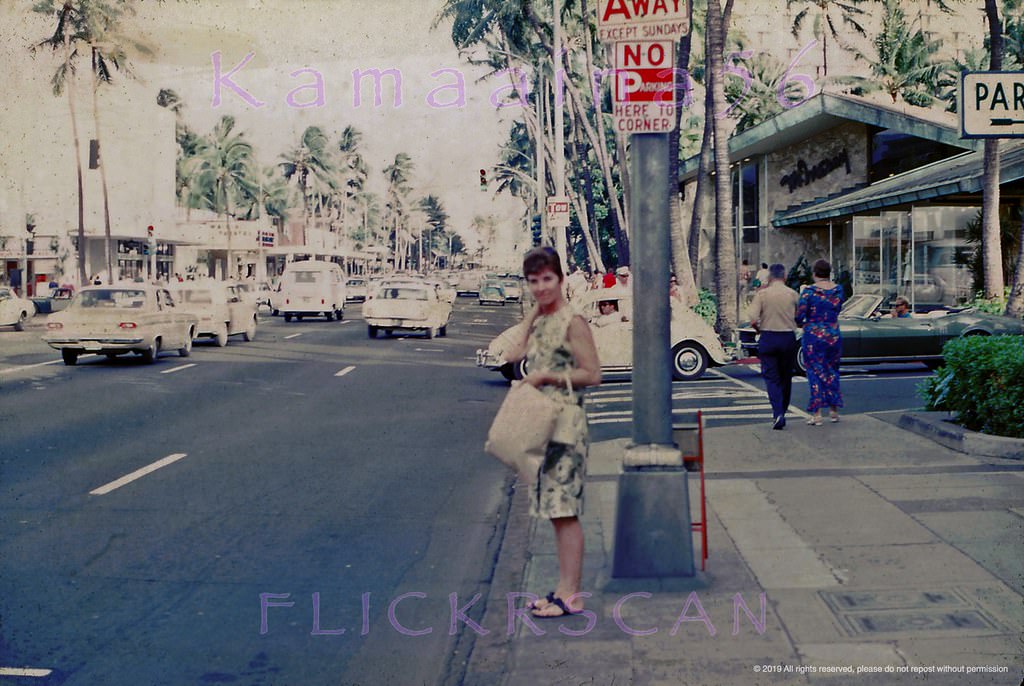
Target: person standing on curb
{"x":773,"y":315}
{"x":818,"y":314}
{"x":562,"y":359}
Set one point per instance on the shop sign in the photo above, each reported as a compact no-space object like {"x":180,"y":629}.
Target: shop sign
{"x":991,"y":104}
{"x":805,"y":174}
{"x":558,"y":210}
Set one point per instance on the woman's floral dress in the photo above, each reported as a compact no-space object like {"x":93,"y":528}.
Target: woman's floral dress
{"x":818,"y":313}
{"x":558,"y":491}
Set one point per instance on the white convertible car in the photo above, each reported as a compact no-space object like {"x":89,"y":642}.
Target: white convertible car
{"x":114,"y":320}
{"x":15,"y":310}
{"x":695,"y":345}
{"x":406,"y":306}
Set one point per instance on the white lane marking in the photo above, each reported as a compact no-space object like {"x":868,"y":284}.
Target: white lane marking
{"x":431,"y":350}
{"x":137,"y":474}
{"x":178,"y":369}
{"x":23,"y":367}
{"x":24,"y":671}
{"x":292,"y":336}
{"x":346,"y":370}
{"x":347,"y":321}
{"x":755,"y":389}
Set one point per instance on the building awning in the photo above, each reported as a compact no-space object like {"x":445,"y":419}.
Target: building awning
{"x":960,"y":175}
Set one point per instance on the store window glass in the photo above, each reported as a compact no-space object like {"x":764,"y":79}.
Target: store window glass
{"x":940,"y":250}
{"x":893,"y":152}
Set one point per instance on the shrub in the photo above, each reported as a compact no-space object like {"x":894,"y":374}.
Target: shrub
{"x":707,"y":306}
{"x":981,"y":383}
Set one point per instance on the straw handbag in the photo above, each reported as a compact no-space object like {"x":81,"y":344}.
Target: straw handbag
{"x":522,"y":429}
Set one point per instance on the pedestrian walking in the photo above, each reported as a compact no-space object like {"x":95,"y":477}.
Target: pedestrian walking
{"x":761,"y":278}
{"x":673,"y":288}
{"x":773,"y":315}
{"x":562,"y":359}
{"x":821,"y":344}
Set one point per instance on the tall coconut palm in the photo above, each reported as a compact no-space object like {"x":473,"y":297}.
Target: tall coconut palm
{"x":398,"y":174}
{"x":224,"y":174}
{"x":306,"y":163}
{"x":991,"y":246}
{"x":352,"y":168}
{"x":63,"y":80}
{"x":826,"y":12}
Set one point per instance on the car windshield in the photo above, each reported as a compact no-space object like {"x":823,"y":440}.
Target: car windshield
{"x":511,"y":284}
{"x":110,"y":297}
{"x":403,"y":294}
{"x":195,"y":296}
{"x":859,"y":306}
{"x":5,"y":293}
{"x":305,"y":277}
{"x":356,"y":282}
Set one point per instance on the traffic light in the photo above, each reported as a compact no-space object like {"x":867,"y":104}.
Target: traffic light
{"x":483,"y":179}
{"x":149,"y":231}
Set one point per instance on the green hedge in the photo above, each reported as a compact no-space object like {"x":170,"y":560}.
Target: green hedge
{"x":982,"y":384}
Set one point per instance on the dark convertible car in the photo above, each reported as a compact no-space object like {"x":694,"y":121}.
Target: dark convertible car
{"x":871,"y":336}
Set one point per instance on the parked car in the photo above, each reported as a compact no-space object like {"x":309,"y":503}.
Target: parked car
{"x":114,"y":320}
{"x":871,"y":336}
{"x":57,"y":299}
{"x":695,"y":345}
{"x":407,"y":306}
{"x":312,"y":288}
{"x":491,"y":292}
{"x":513,"y":289}
{"x":221,"y":310}
{"x":355,"y":289}
{"x":15,"y":310}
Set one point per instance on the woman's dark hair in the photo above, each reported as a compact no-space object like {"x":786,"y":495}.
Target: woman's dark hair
{"x":822,"y":269}
{"x":539,"y":259}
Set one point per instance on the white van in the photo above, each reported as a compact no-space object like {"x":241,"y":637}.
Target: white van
{"x":311,"y":288}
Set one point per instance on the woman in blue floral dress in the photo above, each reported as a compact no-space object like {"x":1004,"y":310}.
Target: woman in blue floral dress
{"x":818,"y":314}
{"x":561,"y":356}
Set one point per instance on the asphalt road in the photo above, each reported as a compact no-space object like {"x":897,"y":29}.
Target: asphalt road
{"x":316,"y":461}
{"x":314,"y":464}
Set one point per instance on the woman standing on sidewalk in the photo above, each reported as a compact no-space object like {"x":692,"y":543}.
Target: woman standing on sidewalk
{"x":559,"y":348}
{"x":818,"y":313}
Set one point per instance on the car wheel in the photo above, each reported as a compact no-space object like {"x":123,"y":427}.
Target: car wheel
{"x":274,"y":312}
{"x":222,"y":336}
{"x":287,"y":316}
{"x":371,"y":331}
{"x":689,"y":360}
{"x":429,"y":333}
{"x":250,"y":333}
{"x":150,"y":353}
{"x":299,"y":317}
{"x":340,"y":314}
{"x":70,"y":357}
{"x":329,"y":316}
{"x":520,"y":369}
{"x":20,"y":324}
{"x":507,"y":371}
{"x":186,"y":349}
{"x":801,"y":365}
{"x":443,"y":331}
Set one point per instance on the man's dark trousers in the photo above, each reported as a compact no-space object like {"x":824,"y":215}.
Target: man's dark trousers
{"x":777,"y":351}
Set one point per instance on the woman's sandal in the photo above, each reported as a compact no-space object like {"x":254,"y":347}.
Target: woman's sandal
{"x":833,"y":416}
{"x":550,"y":598}
{"x":560,"y":604}
{"x":814,"y":420}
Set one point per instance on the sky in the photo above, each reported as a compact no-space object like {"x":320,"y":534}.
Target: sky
{"x":448,"y":145}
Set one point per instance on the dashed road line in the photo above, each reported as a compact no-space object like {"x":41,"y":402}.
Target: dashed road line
{"x":292,"y":335}
{"x":346,"y":370}
{"x":137,"y":474}
{"x":430,"y":350}
{"x":21,"y":368}
{"x":178,"y":369}
{"x":25,"y":671}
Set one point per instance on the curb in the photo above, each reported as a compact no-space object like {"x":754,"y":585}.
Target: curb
{"x":937,"y":427}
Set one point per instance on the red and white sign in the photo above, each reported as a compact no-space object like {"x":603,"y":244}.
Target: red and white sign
{"x":558,"y":210}
{"x":645,"y":87}
{"x":619,"y":20}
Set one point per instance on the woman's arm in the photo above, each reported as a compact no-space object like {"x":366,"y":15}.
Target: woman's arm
{"x":588,"y":367}
{"x":801,"y":309}
{"x":517,"y":350}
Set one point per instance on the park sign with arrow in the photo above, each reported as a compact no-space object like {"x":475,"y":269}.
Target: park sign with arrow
{"x":991,"y":104}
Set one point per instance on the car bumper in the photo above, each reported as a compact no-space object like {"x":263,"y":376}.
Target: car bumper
{"x":94,"y":345}
{"x":488,"y":360}
{"x":393,"y":323}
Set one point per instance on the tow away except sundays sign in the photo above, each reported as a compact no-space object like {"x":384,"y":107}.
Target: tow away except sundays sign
{"x":619,"y":20}
{"x":992,"y":104}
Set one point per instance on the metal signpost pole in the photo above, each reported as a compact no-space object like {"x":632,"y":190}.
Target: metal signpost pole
{"x":560,"y":246}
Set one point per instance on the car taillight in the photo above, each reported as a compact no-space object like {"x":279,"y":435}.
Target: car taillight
{"x":128,"y":325}
{"x":54,"y":325}
{"x":321,"y":301}
{"x":286,"y":301}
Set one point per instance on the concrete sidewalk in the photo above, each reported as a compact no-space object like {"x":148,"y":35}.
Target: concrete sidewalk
{"x":874,"y":549}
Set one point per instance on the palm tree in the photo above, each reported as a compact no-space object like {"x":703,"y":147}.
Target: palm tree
{"x":397,"y":174}
{"x":848,"y":11}
{"x":309,"y":162}
{"x":352,"y":168}
{"x":903,"y":64}
{"x":63,"y":79}
{"x":224,"y":174}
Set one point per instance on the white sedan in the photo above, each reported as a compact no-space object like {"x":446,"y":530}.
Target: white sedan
{"x":221,"y":310}
{"x":114,"y":320}
{"x":695,"y":345}
{"x":15,"y":310}
{"x":406,"y":306}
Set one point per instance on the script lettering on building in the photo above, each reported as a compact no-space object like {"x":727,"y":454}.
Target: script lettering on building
{"x":804,"y":174}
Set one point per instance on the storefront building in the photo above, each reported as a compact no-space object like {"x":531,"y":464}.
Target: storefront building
{"x":885,"y":193}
